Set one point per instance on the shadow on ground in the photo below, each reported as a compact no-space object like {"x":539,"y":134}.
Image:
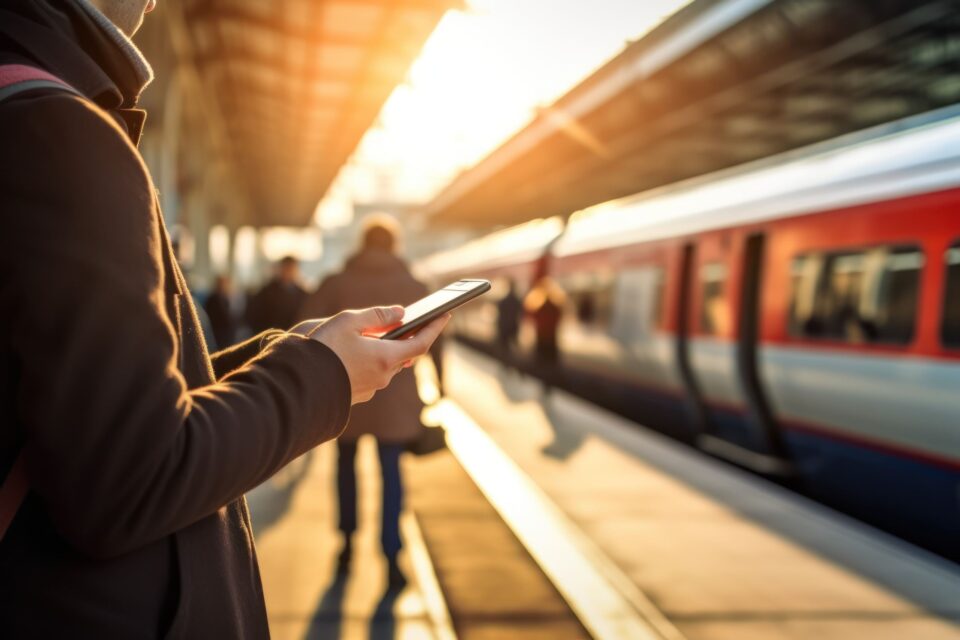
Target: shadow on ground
{"x":328,"y":619}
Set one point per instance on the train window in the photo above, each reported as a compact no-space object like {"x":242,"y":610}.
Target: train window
{"x":713,"y":306}
{"x":896,"y":296}
{"x":857,"y":297}
{"x":591,"y":297}
{"x":805,"y":274}
{"x":637,"y":303}
{"x":950,"y":331}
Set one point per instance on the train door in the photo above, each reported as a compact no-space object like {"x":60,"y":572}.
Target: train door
{"x":765,"y":428}
{"x":721,"y":350}
{"x":695,"y":410}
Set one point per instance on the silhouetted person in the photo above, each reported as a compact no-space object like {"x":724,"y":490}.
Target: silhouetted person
{"x":220,"y":309}
{"x":509,"y":312}
{"x":277,"y":304}
{"x":544,"y":304}
{"x":375,"y":273}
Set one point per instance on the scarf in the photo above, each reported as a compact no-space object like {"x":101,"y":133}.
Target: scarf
{"x":129,"y":51}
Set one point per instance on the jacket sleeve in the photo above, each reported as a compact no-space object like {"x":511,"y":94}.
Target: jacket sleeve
{"x":118,"y":450}
{"x":234,"y":357}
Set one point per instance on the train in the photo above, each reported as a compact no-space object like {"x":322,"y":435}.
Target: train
{"x":798,"y":316}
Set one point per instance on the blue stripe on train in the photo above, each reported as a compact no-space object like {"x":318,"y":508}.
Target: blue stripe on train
{"x":910,"y":498}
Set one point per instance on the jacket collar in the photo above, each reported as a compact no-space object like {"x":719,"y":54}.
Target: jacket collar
{"x":63,"y":39}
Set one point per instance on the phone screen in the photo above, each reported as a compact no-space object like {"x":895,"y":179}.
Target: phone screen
{"x":422,"y":311}
{"x":424,"y":306}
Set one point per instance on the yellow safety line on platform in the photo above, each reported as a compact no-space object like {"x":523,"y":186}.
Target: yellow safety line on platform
{"x":426,"y":578}
{"x":608,"y":604}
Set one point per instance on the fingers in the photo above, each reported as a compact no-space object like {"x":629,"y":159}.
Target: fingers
{"x":420,"y":343}
{"x":376,"y":318}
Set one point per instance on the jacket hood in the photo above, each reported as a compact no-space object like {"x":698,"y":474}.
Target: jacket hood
{"x":64,"y":39}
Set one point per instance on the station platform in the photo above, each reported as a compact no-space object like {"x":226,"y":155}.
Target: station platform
{"x":551,"y":518}
{"x":294,"y":518}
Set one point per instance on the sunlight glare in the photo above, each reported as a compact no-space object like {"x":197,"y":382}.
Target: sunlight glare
{"x":483,"y":75}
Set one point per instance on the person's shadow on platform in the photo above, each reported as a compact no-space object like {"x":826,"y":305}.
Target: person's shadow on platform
{"x":517,"y":385}
{"x":383,"y":624}
{"x":532,"y":386}
{"x":327,"y":622}
{"x":567,"y":439}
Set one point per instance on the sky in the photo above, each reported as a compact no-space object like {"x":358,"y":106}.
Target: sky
{"x":480,"y":78}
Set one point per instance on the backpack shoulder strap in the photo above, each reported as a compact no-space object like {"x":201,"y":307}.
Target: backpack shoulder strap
{"x":18,"y":78}
{"x":12,"y":492}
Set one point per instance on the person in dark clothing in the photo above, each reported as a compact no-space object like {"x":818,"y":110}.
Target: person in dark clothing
{"x":509,"y":312}
{"x":375,"y":275}
{"x":135,"y":445}
{"x":276,"y":305}
{"x":219,"y":308}
{"x":544,"y":304}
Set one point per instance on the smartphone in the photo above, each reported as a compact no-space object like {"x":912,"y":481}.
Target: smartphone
{"x":424,"y":310}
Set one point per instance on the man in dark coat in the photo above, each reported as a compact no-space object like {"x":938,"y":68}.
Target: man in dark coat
{"x":276,"y":305}
{"x":509,"y":313}
{"x":219,"y":308}
{"x":374,"y":275}
{"x":136,"y":445}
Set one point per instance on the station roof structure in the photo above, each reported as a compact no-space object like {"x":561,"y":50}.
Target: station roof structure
{"x":718,"y":84}
{"x":297,"y":83}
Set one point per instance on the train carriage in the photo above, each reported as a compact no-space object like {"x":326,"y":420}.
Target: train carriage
{"x":800,"y":317}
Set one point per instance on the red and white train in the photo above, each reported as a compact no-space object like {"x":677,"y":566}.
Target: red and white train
{"x":799,"y":316}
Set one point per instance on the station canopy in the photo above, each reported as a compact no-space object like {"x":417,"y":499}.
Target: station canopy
{"x":720,"y":83}
{"x":297,"y":83}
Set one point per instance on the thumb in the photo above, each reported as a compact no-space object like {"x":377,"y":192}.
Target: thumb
{"x":376,"y":318}
{"x":420,"y":343}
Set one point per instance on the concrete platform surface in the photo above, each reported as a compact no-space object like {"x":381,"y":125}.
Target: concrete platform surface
{"x":294,"y":519}
{"x":721,"y":553}
{"x":492,"y":586}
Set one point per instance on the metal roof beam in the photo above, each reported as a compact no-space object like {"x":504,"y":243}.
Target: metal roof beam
{"x":512,"y":163}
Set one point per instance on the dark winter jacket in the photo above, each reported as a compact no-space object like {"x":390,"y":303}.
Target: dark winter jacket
{"x":139,"y":445}
{"x":370,"y":278}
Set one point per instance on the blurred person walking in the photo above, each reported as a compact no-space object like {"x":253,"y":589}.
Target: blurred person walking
{"x":544,"y":304}
{"x":125,"y":447}
{"x":221,"y":311}
{"x":375,"y":275}
{"x":509,"y":313}
{"x":275,"y":306}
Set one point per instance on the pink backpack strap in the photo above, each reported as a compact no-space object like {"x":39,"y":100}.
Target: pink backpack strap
{"x":14,"y":79}
{"x":17,"y":78}
{"x":12,"y":492}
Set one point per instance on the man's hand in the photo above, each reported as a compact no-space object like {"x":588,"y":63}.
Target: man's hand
{"x":371,"y":362}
